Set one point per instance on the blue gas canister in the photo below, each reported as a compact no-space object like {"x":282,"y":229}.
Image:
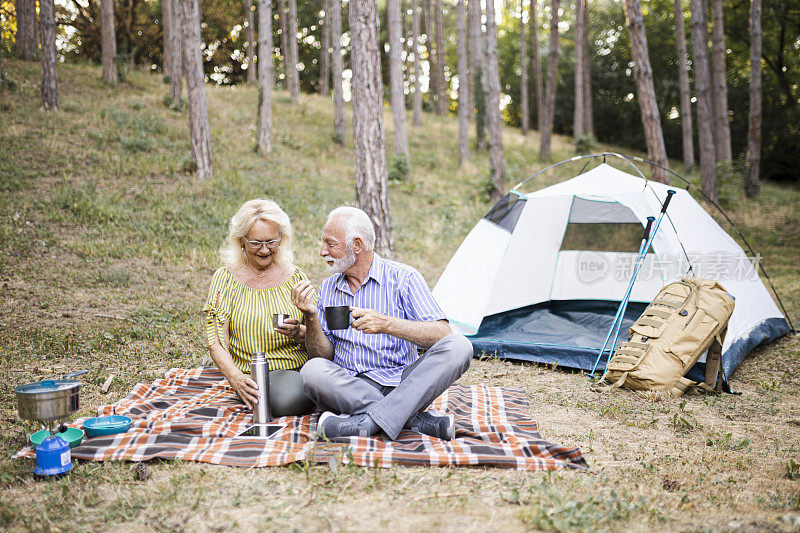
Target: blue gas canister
{"x":53,"y":457}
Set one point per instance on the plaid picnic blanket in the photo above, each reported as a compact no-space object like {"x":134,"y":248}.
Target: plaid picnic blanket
{"x":195,"y":415}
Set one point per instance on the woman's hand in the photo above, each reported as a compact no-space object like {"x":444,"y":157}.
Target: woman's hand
{"x":246,"y":388}
{"x":293,"y":329}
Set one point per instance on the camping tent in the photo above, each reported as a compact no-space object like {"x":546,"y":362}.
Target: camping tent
{"x":540,"y":277}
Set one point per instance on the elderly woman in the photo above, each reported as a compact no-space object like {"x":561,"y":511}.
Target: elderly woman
{"x":255,"y":283}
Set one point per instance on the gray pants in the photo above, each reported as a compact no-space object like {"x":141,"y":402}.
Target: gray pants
{"x":286,"y":396}
{"x":334,"y":389}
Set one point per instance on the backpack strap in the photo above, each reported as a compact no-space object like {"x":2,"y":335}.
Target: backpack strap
{"x":603,"y":386}
{"x":713,"y":383}
{"x":682,"y":386}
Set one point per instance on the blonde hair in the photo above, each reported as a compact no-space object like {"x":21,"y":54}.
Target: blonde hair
{"x":232,"y":252}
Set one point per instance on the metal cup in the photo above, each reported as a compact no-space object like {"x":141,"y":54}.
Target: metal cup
{"x":279,"y":318}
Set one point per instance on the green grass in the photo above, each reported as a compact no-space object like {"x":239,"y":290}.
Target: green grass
{"x":107,"y":246}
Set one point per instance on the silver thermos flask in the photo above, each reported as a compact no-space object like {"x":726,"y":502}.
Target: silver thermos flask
{"x":259,"y":371}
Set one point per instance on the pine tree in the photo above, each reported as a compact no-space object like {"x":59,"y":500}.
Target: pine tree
{"x":291,"y":20}
{"x":580,"y":30}
{"x":523,"y":61}
{"x":442,"y":98}
{"x":535,"y":65}
{"x":550,"y":86}
{"x":751,"y":184}
{"x":251,"y":41}
{"x":476,"y":44}
{"x":463,"y":87}
{"x":26,"y":28}
{"x":339,"y":126}
{"x":200,"y":138}
{"x":396,"y":78}
{"x":368,"y":136}
{"x":176,"y":53}
{"x":49,"y":85}
{"x":266,"y":77}
{"x":325,"y":50}
{"x":416,"y":104}
{"x":719,"y":87}
{"x":702,"y":89}
{"x":493,"y":104}
{"x":588,"y":119}
{"x":108,"y":41}
{"x":645,"y":91}
{"x":683,"y":81}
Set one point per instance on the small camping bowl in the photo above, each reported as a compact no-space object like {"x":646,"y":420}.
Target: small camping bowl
{"x":72,"y":436}
{"x":106,"y":425}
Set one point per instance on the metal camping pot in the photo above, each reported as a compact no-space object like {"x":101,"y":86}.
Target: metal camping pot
{"x":51,"y":399}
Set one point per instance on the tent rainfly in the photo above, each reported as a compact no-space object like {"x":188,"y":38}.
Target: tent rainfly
{"x":540,"y":277}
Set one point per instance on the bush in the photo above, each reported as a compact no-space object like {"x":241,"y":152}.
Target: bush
{"x":398,"y":168}
{"x":585,"y":144}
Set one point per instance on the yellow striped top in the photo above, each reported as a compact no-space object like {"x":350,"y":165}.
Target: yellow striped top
{"x":249,"y":314}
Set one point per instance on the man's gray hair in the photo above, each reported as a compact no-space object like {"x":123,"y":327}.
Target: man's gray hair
{"x":357,"y":224}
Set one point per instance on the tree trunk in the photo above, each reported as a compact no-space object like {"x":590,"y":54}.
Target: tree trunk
{"x":549,"y":110}
{"x":396,"y":78}
{"x":109,"y":42}
{"x":195,"y":89}
{"x":166,"y":33}
{"x":523,"y":61}
{"x":49,"y":76}
{"x":368,"y":137}
{"x":266,"y":77}
{"x":686,"y":94}
{"x":176,"y":51}
{"x":536,"y":65}
{"x":588,"y":115}
{"x":751,"y":183}
{"x":478,"y":85}
{"x":719,"y":87}
{"x":287,"y":78}
{"x":430,"y":45}
{"x":251,"y":41}
{"x":463,"y":86}
{"x":577,"y":114}
{"x":442,"y":95}
{"x":470,"y":58}
{"x":292,"y":37}
{"x":702,"y":89}
{"x":325,"y":52}
{"x":26,"y":31}
{"x":493,"y":104}
{"x":416,"y":104}
{"x":339,"y":125}
{"x":646,"y":93}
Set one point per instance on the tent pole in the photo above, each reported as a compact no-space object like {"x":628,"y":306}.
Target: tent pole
{"x":647,"y":239}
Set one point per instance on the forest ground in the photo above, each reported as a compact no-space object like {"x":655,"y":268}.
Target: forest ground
{"x":106,"y":249}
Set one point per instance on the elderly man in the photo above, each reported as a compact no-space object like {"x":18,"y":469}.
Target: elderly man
{"x":368,"y":377}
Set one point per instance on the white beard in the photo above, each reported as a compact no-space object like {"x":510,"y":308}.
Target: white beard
{"x":340,"y":265}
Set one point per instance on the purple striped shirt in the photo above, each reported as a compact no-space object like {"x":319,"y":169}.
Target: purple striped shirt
{"x":391,"y":288}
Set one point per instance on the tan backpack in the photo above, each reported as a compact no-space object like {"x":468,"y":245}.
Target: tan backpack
{"x":685,"y":319}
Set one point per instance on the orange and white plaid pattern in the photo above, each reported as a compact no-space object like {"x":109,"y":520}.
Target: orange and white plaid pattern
{"x":194,"y":415}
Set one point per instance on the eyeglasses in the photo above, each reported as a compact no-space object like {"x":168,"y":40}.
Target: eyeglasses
{"x":256,"y":245}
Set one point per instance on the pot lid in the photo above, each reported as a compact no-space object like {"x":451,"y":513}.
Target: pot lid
{"x":48,"y":385}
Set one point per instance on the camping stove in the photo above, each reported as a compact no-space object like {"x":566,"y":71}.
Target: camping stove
{"x":49,"y":401}
{"x":53,"y":457}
